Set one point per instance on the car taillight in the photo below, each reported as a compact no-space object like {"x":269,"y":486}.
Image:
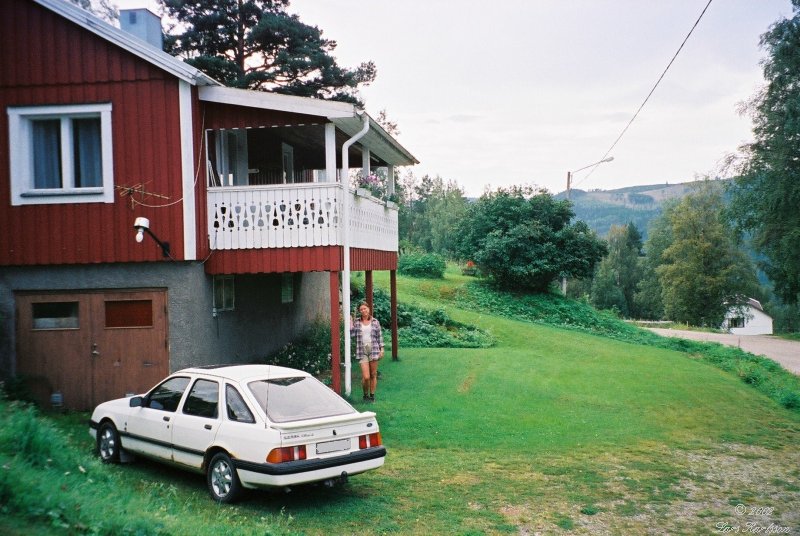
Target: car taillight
{"x":371,"y":440}
{"x":287,"y":454}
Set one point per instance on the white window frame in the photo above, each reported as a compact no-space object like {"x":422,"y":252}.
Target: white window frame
{"x":227,"y":288}
{"x":20,"y":129}
{"x":287,"y":287}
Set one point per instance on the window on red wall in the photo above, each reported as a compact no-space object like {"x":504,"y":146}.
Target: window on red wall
{"x":61,"y":154}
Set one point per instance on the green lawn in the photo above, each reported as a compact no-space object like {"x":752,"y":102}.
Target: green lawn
{"x":548,"y":431}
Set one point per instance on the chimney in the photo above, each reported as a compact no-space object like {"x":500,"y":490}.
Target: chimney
{"x":144,"y":24}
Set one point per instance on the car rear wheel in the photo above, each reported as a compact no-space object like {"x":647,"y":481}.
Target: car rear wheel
{"x":108,"y":443}
{"x":223,"y":482}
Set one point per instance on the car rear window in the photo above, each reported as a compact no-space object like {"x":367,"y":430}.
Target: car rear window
{"x":296,"y":399}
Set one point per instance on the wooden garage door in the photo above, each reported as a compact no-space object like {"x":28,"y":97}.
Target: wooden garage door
{"x":91,"y":346}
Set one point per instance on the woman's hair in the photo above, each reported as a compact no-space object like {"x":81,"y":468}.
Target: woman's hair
{"x":366,"y":305}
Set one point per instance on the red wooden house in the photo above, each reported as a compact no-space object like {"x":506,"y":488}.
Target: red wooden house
{"x":249,"y":227}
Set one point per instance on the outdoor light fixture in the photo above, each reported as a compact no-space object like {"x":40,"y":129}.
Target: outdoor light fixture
{"x":142,"y":225}
{"x":569,"y":173}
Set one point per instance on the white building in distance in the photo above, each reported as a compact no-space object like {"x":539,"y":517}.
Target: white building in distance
{"x":748,"y":319}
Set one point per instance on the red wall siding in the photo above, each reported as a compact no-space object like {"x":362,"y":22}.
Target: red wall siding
{"x":311,"y":259}
{"x":371,"y":259}
{"x":255,"y":261}
{"x":45,"y":59}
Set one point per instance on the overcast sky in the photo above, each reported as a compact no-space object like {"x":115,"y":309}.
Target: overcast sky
{"x":521,"y":91}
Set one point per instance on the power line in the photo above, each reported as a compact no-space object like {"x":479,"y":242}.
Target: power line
{"x":624,"y":130}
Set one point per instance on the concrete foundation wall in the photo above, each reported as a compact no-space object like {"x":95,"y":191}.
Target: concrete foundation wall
{"x":260,"y":323}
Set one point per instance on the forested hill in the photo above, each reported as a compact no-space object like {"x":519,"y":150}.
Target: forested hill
{"x":601,"y":209}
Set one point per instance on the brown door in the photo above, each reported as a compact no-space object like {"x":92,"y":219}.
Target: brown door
{"x":91,"y":346}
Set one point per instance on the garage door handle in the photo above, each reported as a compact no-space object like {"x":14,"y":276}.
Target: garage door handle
{"x":207,"y":427}
{"x":165,"y":419}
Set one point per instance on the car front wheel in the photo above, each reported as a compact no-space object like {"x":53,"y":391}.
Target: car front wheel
{"x":108,"y":443}
{"x":223,"y":482}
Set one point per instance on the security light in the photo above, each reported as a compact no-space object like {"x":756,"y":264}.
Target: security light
{"x":142,"y":226}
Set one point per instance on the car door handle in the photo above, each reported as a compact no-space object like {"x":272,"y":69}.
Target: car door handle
{"x":165,"y":418}
{"x":207,"y":427}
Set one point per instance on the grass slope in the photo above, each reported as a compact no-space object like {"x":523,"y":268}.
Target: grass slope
{"x":550,"y":430}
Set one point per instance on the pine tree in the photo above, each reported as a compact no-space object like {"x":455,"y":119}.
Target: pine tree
{"x":256,"y":44}
{"x":102,"y":8}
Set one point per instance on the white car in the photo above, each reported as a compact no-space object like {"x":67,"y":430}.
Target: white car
{"x":244,"y":426}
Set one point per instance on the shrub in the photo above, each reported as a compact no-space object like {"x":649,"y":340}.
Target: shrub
{"x":523,"y":237}
{"x":422,"y":265}
{"x":750,"y":373}
{"x":789,"y":399}
{"x":310,"y":352}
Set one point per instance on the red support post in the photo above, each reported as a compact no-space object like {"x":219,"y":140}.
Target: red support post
{"x":336,"y":358}
{"x":368,"y":289}
{"x":393,"y":290}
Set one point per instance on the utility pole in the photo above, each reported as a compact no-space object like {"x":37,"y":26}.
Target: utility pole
{"x":569,"y":194}
{"x":569,"y":198}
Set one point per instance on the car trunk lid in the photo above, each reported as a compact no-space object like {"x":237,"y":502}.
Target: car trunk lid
{"x":328,"y":435}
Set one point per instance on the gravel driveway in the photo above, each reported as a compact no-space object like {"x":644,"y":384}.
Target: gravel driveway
{"x":785,"y":352}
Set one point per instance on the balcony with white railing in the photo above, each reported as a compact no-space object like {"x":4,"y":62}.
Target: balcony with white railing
{"x":297,"y":215}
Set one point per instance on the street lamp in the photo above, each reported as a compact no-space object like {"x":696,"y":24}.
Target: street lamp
{"x":569,"y":190}
{"x":569,"y":173}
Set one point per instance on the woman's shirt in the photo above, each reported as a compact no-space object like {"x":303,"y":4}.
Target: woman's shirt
{"x":372,"y":336}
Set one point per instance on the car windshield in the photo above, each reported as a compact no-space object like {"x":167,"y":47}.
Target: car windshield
{"x":298,"y":398}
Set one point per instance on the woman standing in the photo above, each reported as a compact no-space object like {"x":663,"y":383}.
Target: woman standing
{"x":369,"y":348}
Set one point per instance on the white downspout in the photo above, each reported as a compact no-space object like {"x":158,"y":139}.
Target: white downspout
{"x":345,"y":185}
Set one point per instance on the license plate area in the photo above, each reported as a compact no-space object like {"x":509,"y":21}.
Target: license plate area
{"x":333,"y":446}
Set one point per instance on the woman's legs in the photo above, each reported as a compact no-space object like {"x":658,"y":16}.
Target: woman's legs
{"x":373,"y":377}
{"x":365,"y":376}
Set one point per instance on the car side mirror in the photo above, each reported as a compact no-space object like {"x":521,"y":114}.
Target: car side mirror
{"x":136,"y":402}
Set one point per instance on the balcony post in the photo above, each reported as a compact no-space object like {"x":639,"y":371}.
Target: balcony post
{"x":330,"y":152}
{"x":368,"y":290}
{"x":389,"y":180}
{"x":393,"y":291}
{"x":365,"y":168}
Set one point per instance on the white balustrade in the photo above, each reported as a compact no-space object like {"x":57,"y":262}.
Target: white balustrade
{"x":373,"y":225}
{"x":296,"y":215}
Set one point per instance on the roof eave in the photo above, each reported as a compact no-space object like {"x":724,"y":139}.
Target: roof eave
{"x":378,"y":141}
{"x":345,"y":116}
{"x":274,"y":101}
